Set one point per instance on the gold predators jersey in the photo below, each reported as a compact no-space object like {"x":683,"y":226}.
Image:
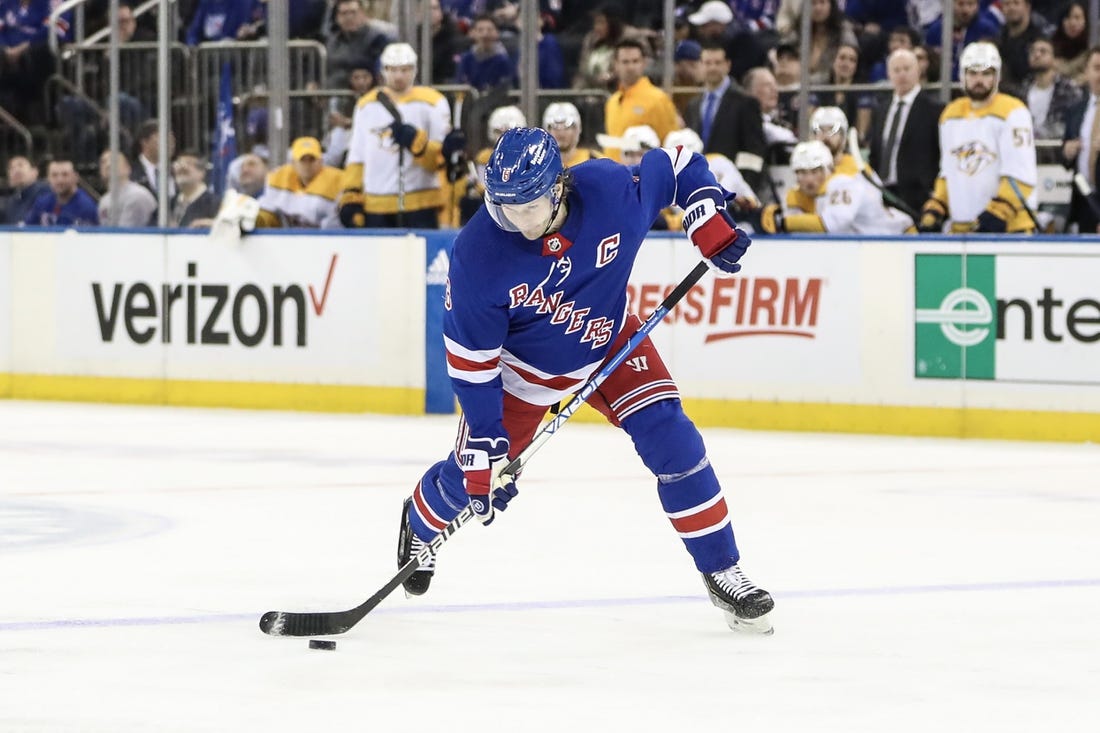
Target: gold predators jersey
{"x":286,"y":202}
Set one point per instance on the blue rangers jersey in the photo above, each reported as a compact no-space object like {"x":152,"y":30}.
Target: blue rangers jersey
{"x":536,"y":318}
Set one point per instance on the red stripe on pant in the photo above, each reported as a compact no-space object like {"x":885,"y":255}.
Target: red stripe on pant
{"x":425,"y":511}
{"x":708,"y":517}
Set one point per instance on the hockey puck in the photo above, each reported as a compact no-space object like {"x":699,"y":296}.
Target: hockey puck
{"x":322,"y":644}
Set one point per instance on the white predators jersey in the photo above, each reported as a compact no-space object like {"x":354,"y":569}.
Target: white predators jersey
{"x":728,"y":177}
{"x":979,"y":147}
{"x":372,"y":149}
{"x":850,"y":204}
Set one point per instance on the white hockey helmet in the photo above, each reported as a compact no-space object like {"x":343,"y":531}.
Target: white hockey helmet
{"x":503,"y":119}
{"x":398,"y":54}
{"x":831,"y":120}
{"x":640,"y":137}
{"x":979,"y":56}
{"x":810,"y":155}
{"x":686,"y":138}
{"x":562,"y":114}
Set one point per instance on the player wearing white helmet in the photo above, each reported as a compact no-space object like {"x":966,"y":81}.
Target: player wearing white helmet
{"x":563,"y":121}
{"x":987,"y":155}
{"x":391,"y":176}
{"x":832,"y":196}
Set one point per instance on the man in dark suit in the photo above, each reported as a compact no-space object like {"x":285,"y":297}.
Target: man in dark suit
{"x":728,"y":121}
{"x":905,"y":134}
{"x":1081,"y":144}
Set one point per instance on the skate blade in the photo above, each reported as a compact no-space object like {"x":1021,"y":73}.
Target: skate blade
{"x":761,"y":626}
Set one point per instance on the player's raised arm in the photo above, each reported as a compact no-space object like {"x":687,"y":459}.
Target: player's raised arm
{"x":677,"y":176}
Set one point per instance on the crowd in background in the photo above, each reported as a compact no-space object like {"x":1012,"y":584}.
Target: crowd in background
{"x":737,"y":66}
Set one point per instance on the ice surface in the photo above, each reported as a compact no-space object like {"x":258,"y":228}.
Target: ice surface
{"x":920,"y":584}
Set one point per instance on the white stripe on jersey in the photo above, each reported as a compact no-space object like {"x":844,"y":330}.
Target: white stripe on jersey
{"x":453,"y":347}
{"x":537,"y":387}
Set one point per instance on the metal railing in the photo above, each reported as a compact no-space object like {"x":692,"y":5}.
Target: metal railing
{"x":11,"y":128}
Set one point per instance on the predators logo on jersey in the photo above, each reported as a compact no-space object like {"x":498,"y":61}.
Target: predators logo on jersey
{"x":973,"y":157}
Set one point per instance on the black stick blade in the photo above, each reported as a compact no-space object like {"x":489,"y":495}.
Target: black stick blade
{"x":283,"y":623}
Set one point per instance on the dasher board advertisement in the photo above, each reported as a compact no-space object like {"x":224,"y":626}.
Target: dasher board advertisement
{"x":791,"y":316}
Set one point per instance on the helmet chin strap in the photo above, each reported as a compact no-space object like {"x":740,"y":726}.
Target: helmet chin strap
{"x":554,"y":212}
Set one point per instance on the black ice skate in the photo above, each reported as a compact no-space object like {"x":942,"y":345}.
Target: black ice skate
{"x":746,"y":606}
{"x":408,"y":544}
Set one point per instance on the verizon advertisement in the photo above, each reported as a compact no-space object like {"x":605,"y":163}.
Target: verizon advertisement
{"x":325,"y":310}
{"x":784,"y":319}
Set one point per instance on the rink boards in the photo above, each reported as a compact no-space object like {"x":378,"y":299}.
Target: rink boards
{"x":925,"y":336}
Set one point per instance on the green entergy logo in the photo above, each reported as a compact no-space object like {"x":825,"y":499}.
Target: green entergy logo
{"x":955,"y":316}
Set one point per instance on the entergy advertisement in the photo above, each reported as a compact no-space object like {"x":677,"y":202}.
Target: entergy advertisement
{"x":1008,"y":317}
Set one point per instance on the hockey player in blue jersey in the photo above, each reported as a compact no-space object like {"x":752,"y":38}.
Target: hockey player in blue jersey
{"x":535,"y":302}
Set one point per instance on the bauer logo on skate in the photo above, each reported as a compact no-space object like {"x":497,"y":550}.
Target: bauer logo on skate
{"x":738,"y":307}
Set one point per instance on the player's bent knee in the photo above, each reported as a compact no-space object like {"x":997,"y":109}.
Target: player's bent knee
{"x":665,"y":438}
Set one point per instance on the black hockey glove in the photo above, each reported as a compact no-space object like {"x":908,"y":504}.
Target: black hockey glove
{"x":454,"y":153}
{"x":409,"y":137}
{"x":995,"y":218}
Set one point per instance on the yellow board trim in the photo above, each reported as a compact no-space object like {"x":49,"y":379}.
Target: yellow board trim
{"x":753,"y":415}
{"x":196,"y":393}
{"x":946,"y":422}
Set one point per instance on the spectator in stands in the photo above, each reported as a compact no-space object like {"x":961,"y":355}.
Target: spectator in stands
{"x":194,"y":205}
{"x":905,"y":140}
{"x":217,"y":20}
{"x":971,"y":23}
{"x":687,"y":72}
{"x":133,"y":202}
{"x":788,"y":66}
{"x":1048,"y":94}
{"x":25,"y":188}
{"x":26,"y":61}
{"x":728,"y":121}
{"x":148,"y":154}
{"x":86,"y":125}
{"x":927,"y":71}
{"x":760,"y":83}
{"x":595,"y":69}
{"x":563,"y":121}
{"x":391,"y":177}
{"x":303,"y":192}
{"x":247,"y":174}
{"x":1081,"y":145}
{"x":65,"y":203}
{"x":486,"y":64}
{"x":358,"y":41}
{"x":857,"y":106}
{"x":1022,"y":27}
{"x":715,"y":22}
{"x":1071,"y":42}
{"x":448,"y":43}
{"x":829,"y":29}
{"x":341,"y":110}
{"x":637,"y":101}
{"x":901,"y":36}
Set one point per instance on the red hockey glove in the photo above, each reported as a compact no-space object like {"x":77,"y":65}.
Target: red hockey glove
{"x":483,"y":461}
{"x":715,"y":233}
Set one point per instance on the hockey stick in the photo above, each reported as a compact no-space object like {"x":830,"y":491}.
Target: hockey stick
{"x":892,"y":199}
{"x":1023,"y":202}
{"x":385,"y":101}
{"x":327,"y":623}
{"x":1086,"y":191}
